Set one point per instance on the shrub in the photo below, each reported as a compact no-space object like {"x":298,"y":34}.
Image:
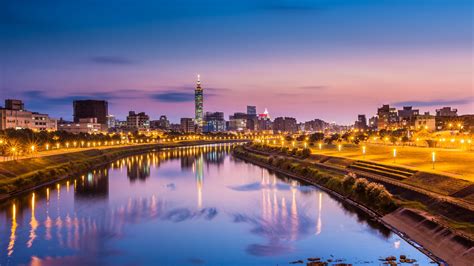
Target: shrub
{"x":347,"y":182}
{"x":385,"y":200}
{"x":360,"y":185}
{"x":373,"y":190}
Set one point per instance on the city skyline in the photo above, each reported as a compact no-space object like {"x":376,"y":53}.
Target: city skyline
{"x":144,"y":57}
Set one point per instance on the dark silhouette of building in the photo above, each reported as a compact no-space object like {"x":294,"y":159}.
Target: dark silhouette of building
{"x":91,"y":109}
{"x":285,"y":124}
{"x":407,"y":116}
{"x":315,"y":125}
{"x":361,"y":122}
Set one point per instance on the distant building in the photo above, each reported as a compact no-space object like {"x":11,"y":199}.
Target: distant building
{"x":15,"y":116}
{"x":251,"y":110}
{"x":198,"y":105}
{"x":238,"y":122}
{"x":264,"y":122}
{"x":425,"y":121}
{"x":361,"y":123}
{"x":91,"y":109}
{"x":111,"y":121}
{"x":315,"y":125}
{"x":175,"y":127}
{"x":138,"y":121}
{"x":387,"y":117}
{"x":373,"y":122}
{"x":407,"y":117}
{"x":187,"y":125}
{"x":163,"y":123}
{"x":214,"y":122}
{"x":447,"y":111}
{"x":12,"y":104}
{"x":252,"y":122}
{"x":447,"y":118}
{"x":84,"y":125}
{"x":285,"y":124}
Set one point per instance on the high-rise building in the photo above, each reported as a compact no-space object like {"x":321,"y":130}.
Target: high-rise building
{"x":447,"y":118}
{"x":251,"y":110}
{"x":198,"y":105}
{"x":12,"y":104}
{"x":387,"y":117}
{"x":162,"y":123}
{"x":238,"y":122}
{"x":285,"y":124}
{"x":111,"y":121}
{"x":252,"y":122}
{"x":214,"y":122}
{"x":316,"y":125}
{"x":91,"y":109}
{"x":407,"y":116}
{"x":361,"y":122}
{"x":187,"y":125}
{"x":138,"y":121}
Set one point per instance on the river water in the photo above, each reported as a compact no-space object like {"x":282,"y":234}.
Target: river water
{"x":188,"y":206}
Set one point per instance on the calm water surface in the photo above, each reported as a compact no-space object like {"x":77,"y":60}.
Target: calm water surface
{"x":187,"y":206}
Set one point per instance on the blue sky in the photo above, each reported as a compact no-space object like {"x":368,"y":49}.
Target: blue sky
{"x":325,"y":59}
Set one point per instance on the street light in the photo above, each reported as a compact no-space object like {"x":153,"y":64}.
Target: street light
{"x":363,"y":152}
{"x":433,"y":158}
{"x":394,"y":155}
{"x":339,"y":147}
{"x":320,"y":145}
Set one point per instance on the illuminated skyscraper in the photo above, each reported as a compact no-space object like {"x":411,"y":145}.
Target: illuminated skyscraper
{"x":198,"y":101}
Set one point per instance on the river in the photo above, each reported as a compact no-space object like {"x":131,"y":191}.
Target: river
{"x":188,"y":206}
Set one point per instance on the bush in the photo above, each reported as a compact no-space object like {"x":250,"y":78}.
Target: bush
{"x":360,"y":185}
{"x":347,"y":182}
{"x":373,"y":190}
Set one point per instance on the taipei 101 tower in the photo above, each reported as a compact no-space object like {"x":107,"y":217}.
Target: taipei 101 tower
{"x":198,"y":101}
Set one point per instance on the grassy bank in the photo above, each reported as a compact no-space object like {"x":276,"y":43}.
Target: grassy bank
{"x":22,"y":175}
{"x":370,"y":194}
{"x":442,"y":197}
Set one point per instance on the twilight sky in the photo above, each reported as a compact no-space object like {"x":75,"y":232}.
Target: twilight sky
{"x":329,"y":59}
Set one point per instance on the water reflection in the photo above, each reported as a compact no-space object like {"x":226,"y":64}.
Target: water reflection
{"x":169,"y":206}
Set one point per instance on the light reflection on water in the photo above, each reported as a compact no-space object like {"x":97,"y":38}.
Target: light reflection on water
{"x":187,"y":206}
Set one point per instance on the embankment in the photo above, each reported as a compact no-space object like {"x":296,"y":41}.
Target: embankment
{"x":432,"y":237}
{"x":27,"y":174}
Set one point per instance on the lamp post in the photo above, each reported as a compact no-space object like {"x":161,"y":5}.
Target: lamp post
{"x":339,"y":147}
{"x":363,"y":152}
{"x":394,"y":155}
{"x":320,"y":145}
{"x":433,"y":158}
